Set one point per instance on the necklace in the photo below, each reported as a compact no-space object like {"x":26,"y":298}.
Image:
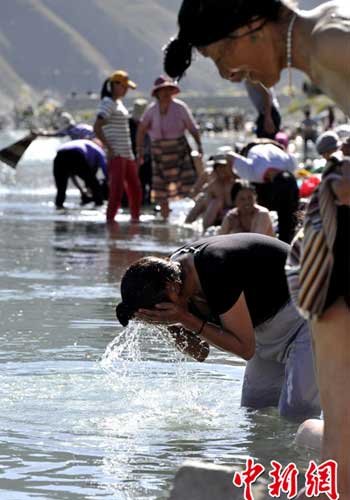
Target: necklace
{"x":289,"y":52}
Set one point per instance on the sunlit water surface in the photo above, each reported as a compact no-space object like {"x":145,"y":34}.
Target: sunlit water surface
{"x":88,"y":409}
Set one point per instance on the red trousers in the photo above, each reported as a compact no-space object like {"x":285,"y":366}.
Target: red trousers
{"x":122,"y":174}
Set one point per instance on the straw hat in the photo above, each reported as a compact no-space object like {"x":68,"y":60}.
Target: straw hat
{"x":122,"y":77}
{"x":162,"y":82}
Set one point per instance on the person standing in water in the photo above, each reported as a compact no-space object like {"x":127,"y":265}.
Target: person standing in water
{"x":166,"y":120}
{"x":112,"y":128}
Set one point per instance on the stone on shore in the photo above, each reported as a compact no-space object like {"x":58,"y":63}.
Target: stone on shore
{"x":202,"y":481}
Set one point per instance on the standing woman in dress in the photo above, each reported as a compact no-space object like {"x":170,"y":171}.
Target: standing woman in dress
{"x":166,"y":121}
{"x":112,"y":128}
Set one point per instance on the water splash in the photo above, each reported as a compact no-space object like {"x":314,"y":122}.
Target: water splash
{"x":147,"y":371}
{"x":125,"y":348}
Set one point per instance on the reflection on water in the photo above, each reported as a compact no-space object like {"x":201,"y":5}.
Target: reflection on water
{"x":88,"y":409}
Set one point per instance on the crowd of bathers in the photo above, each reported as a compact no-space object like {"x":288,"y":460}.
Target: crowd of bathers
{"x":281,"y":308}
{"x":142,"y":159}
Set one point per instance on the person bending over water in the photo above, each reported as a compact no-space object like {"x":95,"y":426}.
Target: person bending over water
{"x":256,"y":40}
{"x":81,"y":159}
{"x":231,"y":291}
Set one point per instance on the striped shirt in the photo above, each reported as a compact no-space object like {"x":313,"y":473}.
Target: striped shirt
{"x":116,"y":131}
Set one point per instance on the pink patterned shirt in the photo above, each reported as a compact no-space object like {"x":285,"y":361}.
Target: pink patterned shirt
{"x":170,"y":126}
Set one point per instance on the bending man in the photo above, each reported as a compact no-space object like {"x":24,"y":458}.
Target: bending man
{"x":231,"y":291}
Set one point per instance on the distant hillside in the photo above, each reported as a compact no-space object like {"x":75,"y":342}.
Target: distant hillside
{"x":71,"y":45}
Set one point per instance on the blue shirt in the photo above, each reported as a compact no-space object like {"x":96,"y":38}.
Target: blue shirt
{"x":93,"y":154}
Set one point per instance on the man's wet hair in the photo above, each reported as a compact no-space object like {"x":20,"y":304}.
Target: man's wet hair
{"x":144,"y":285}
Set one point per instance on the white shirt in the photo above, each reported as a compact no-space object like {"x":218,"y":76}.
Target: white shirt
{"x":261,"y":158}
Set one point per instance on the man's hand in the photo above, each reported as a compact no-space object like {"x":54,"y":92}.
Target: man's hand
{"x":165,"y":313}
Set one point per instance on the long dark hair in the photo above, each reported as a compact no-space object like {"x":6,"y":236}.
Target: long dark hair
{"x":202,"y":22}
{"x":144,"y":285}
{"x":106,"y":90}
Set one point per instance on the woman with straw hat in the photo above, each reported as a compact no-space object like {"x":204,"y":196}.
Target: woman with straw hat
{"x":166,"y":121}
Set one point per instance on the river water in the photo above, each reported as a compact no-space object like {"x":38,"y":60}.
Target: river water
{"x":90,"y":410}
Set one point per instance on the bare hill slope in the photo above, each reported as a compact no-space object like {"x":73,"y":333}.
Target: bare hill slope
{"x":71,"y":45}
